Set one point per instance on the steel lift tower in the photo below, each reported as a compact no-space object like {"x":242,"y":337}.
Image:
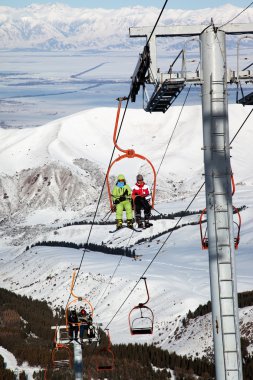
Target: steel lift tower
{"x":213,"y":77}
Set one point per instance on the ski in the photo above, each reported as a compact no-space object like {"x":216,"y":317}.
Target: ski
{"x":119,"y":229}
{"x":134,"y":229}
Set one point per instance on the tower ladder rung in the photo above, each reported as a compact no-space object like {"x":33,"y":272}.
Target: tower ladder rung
{"x":226,"y":298}
{"x":227,"y":315}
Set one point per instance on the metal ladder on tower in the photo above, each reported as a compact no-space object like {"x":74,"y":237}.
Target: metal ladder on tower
{"x":225,"y":249}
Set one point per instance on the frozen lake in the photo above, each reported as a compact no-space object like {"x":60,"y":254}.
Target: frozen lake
{"x":38,"y":87}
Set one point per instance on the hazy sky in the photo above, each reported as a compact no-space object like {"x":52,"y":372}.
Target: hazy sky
{"x":185,"y":4}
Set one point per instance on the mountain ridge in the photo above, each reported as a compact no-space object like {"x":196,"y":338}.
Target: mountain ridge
{"x":60,"y":27}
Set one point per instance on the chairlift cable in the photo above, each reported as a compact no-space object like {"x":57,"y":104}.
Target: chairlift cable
{"x":241,"y":126}
{"x":157,"y":253}
{"x":232,"y":19}
{"x":223,"y":54}
{"x":171,"y":136}
{"x":196,"y":194}
{"x":163,"y":244}
{"x":123,"y":117}
{"x":158,"y":19}
{"x":247,"y":67}
{"x":113,"y":274}
{"x":99,"y":200}
{"x":161,"y":12}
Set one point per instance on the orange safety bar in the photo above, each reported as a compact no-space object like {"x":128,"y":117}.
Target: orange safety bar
{"x":128,"y":153}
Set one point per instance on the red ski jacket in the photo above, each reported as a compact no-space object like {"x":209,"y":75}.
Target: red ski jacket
{"x":142,"y":190}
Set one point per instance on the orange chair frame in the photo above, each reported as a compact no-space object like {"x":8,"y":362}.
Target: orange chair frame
{"x":58,"y":347}
{"x":128,"y":153}
{"x":107,"y":350}
{"x":76,"y":299}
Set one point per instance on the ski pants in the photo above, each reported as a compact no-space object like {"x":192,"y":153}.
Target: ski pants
{"x":125,"y":205}
{"x":73,"y":330}
{"x":82,"y":330}
{"x":139,"y":204}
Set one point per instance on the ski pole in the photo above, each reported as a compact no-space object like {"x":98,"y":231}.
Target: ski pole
{"x":107,"y":215}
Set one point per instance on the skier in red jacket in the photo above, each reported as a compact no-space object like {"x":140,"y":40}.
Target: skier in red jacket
{"x":141,"y":196}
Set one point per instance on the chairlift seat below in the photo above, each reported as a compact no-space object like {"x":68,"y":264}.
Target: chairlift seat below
{"x":141,"y":331}
{"x":104,"y":368}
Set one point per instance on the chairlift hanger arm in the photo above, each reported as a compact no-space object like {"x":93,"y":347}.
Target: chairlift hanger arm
{"x":146,"y":286}
{"x":73,"y":284}
{"x":115,"y":132}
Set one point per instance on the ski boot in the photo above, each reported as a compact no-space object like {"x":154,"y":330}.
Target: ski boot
{"x":129,"y":223}
{"x":119,"y":223}
{"x":147,"y":224}
{"x":139,"y":222}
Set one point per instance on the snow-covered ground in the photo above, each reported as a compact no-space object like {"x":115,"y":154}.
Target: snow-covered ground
{"x":11,"y":363}
{"x":81,"y":144}
{"x":53,"y":174}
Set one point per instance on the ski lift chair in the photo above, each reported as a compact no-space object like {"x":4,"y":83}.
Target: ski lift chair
{"x":127,"y":153}
{"x":204,"y":238}
{"x":105,"y":357}
{"x":141,"y":317}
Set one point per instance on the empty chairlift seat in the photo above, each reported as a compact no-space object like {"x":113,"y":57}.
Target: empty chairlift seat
{"x":105,"y":356}
{"x":141,"y":317}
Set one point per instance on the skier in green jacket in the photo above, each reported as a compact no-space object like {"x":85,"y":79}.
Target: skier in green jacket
{"x":121,"y":196}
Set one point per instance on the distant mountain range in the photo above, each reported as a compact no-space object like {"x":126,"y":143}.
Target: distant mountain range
{"x":60,"y":27}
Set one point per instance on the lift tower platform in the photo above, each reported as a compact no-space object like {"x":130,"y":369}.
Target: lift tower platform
{"x":213,"y":76}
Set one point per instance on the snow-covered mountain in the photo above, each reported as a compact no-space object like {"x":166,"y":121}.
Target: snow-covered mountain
{"x":53,"y":174}
{"x":61,"y":166}
{"x":60,"y":27}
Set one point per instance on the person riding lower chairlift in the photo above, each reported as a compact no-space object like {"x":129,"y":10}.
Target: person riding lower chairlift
{"x":141,"y":196}
{"x":85,"y":321}
{"x":121,"y":196}
{"x":73,"y":325}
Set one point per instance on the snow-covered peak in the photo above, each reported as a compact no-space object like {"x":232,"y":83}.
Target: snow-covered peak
{"x":58,"y":26}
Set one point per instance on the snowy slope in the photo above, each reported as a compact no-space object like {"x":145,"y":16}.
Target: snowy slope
{"x":11,"y":363}
{"x":60,"y":27}
{"x":60,"y":167}
{"x":81,"y":144}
